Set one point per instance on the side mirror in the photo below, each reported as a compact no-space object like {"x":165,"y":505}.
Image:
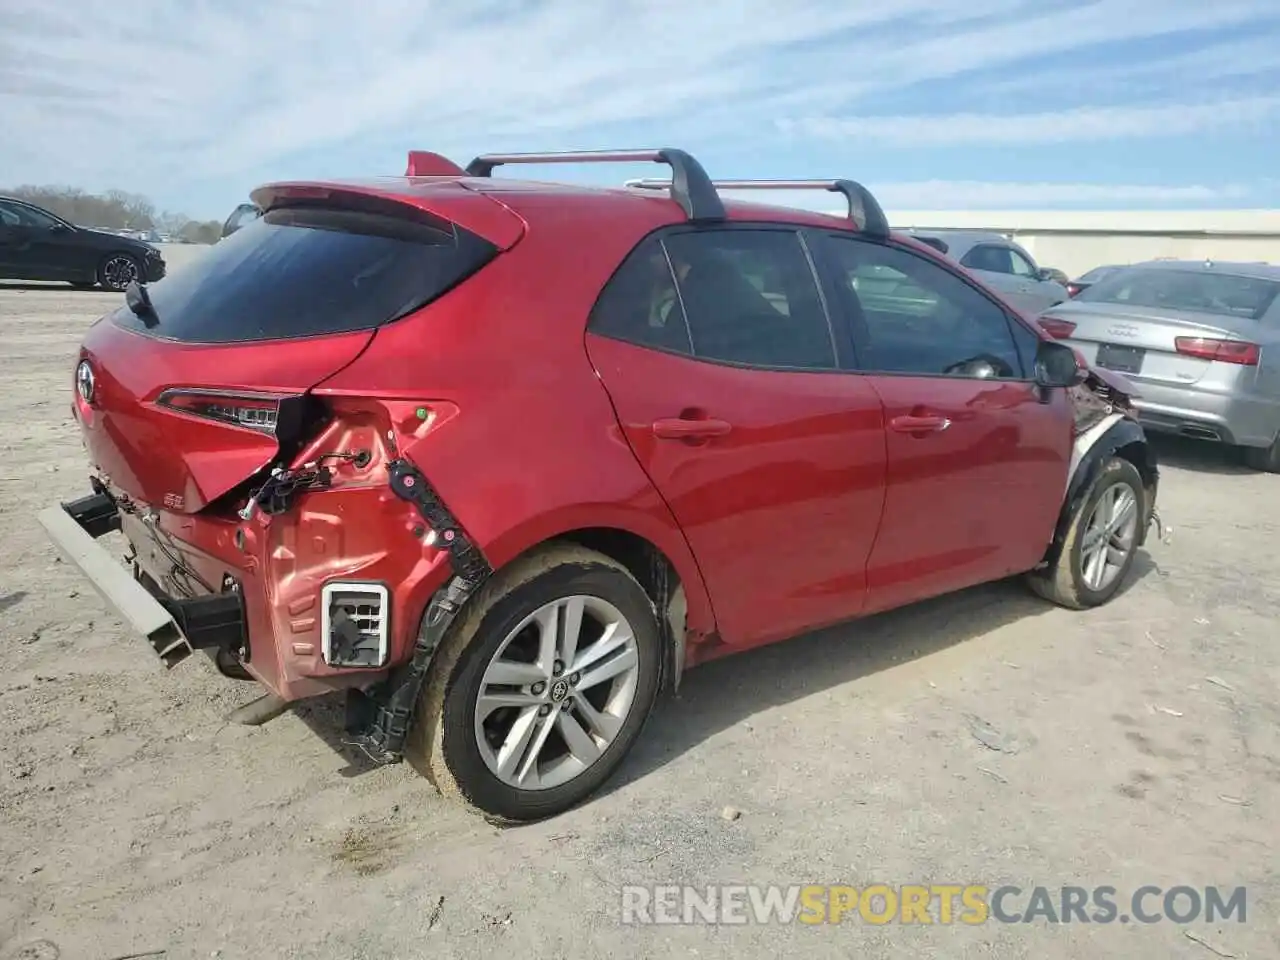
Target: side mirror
{"x":1058,"y":366}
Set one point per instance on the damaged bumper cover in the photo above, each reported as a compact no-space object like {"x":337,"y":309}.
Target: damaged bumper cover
{"x":174,"y":628}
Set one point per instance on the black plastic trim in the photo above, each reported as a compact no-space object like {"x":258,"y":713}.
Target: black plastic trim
{"x":97,"y":514}
{"x":216,"y":621}
{"x":378,"y":719}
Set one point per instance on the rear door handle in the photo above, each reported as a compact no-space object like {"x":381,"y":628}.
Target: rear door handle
{"x":919,"y":424}
{"x":680,"y":428}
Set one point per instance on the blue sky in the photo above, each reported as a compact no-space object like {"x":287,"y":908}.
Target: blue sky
{"x":933,"y":104}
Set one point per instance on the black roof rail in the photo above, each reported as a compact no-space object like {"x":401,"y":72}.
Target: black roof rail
{"x":873,"y":221}
{"x":689,"y":184}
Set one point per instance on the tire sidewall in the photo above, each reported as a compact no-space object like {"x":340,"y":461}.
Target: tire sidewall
{"x":461,"y":753}
{"x":1115,"y":471}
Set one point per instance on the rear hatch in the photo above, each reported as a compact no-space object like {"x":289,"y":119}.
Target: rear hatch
{"x":199,"y":391}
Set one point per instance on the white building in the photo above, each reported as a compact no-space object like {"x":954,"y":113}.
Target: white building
{"x":1075,"y":241}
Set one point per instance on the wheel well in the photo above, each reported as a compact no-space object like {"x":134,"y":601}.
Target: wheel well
{"x":656,"y":575}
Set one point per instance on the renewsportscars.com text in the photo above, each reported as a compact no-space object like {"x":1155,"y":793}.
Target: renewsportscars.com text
{"x":929,"y":904}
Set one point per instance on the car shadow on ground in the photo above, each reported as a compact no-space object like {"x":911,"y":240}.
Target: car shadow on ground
{"x":721,"y":694}
{"x":717,"y":695}
{"x":1197,"y":456}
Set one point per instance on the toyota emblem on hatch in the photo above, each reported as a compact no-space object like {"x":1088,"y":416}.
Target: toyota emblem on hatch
{"x":84,"y":381}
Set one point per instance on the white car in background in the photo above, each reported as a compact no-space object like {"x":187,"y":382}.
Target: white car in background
{"x":1001,"y":264}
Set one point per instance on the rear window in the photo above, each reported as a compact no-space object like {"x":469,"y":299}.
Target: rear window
{"x":1196,"y":291}
{"x":304,"y":271}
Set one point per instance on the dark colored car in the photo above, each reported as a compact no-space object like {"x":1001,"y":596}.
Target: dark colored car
{"x":501,"y":459}
{"x":38,"y":245}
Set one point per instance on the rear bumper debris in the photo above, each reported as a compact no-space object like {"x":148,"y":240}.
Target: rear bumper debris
{"x":174,"y":628}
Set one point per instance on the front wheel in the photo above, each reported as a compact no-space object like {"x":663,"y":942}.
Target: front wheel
{"x":1101,"y":542}
{"x":118,"y":271}
{"x":542,"y":686}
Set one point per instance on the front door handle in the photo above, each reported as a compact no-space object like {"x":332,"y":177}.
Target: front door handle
{"x":681,"y":428}
{"x":919,"y":424}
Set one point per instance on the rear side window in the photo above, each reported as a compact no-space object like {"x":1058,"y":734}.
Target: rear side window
{"x":751,"y":297}
{"x":304,"y":271}
{"x":737,"y":296}
{"x":989,"y":257}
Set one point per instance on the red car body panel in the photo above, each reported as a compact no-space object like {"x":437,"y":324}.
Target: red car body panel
{"x":782,"y":510}
{"x":973,"y":502}
{"x":807,"y":512}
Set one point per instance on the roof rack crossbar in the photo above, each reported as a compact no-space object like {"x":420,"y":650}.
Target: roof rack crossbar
{"x":689,"y":184}
{"x":864,"y":209}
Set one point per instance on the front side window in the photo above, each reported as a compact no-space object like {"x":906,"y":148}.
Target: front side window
{"x":1021,"y":266}
{"x":911,"y":316}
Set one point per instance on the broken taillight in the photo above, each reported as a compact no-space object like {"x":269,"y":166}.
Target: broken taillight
{"x":1058,"y":329}
{"x":253,"y":411}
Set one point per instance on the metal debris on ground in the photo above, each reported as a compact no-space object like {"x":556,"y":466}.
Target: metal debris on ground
{"x":992,"y":774}
{"x":433,"y":921}
{"x":1219,"y":682}
{"x":1190,"y":935}
{"x":989,"y":736}
{"x":1238,"y":801}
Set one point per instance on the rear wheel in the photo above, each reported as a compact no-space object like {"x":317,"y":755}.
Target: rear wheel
{"x":542,"y":686}
{"x":118,"y":271}
{"x":1265,"y":459}
{"x":1101,"y":541}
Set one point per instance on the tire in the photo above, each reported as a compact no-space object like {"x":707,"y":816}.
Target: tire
{"x":1065,"y":582}
{"x":1264,"y":459}
{"x":444,"y":743}
{"x":117,"y":271}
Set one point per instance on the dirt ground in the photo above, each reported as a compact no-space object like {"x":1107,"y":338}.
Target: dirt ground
{"x":980,"y":738}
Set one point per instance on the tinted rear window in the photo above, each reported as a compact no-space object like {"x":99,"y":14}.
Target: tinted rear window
{"x":1196,"y":291}
{"x":306,"y":271}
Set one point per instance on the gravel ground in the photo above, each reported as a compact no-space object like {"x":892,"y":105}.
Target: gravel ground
{"x":980,"y":738}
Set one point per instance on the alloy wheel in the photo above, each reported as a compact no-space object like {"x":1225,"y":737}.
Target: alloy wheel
{"x":1109,"y":536}
{"x":119,"y":272}
{"x":557,"y":692}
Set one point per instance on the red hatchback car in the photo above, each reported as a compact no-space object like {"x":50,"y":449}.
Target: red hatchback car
{"x":501,"y":459}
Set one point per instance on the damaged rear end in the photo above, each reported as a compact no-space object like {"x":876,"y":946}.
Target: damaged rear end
{"x":284,"y":532}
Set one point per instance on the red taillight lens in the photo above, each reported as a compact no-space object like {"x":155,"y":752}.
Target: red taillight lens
{"x":1227,"y":351}
{"x":1058,"y":329}
{"x":253,"y":411}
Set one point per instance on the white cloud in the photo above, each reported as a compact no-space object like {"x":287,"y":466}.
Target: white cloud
{"x":176,"y":93}
{"x":1056,"y":126}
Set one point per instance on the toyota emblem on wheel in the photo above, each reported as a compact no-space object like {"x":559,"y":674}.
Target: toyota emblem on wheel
{"x":84,"y":381}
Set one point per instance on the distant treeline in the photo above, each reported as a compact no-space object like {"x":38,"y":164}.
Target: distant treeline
{"x":116,"y":210}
